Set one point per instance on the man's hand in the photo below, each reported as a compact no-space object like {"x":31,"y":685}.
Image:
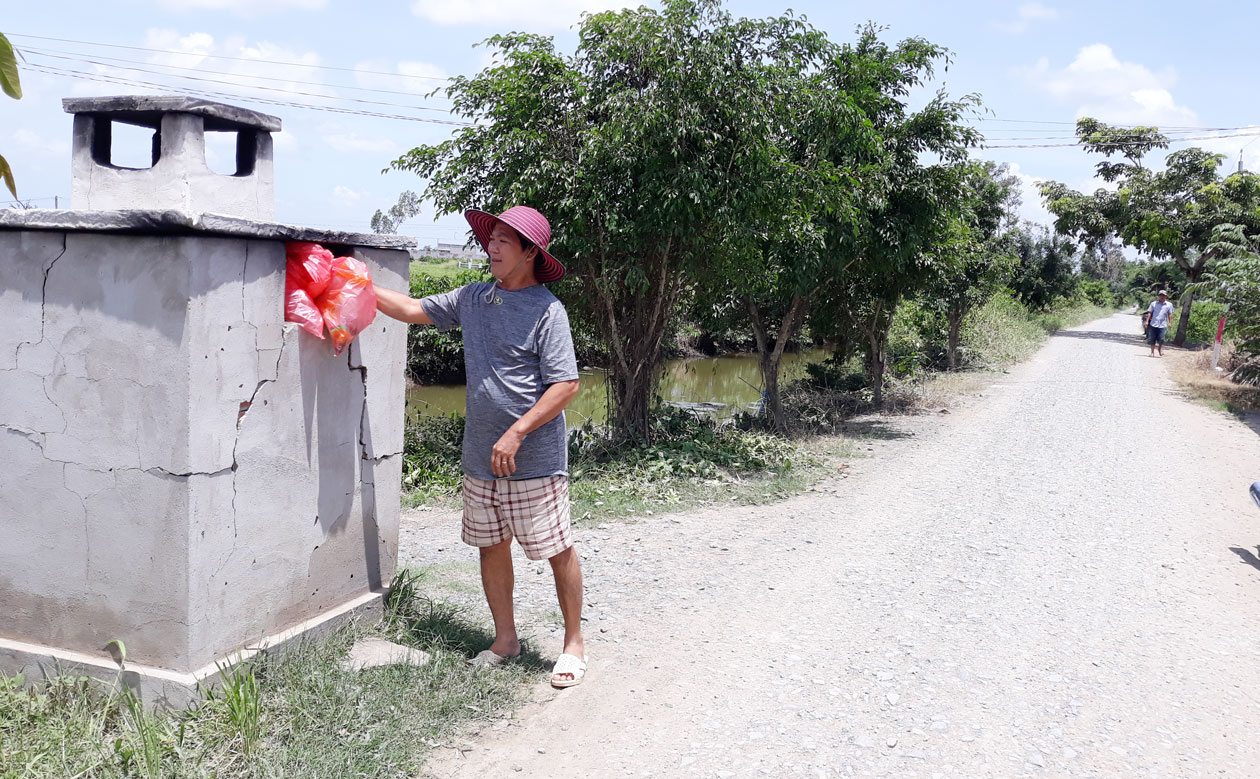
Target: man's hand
{"x":503,"y":455}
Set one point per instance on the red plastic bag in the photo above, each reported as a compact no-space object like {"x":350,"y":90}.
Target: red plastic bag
{"x":308,"y":268}
{"x":310,"y":265}
{"x":300,"y":309}
{"x":349,"y":303}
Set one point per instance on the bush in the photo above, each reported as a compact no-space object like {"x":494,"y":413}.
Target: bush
{"x":434,"y":357}
{"x":684,"y":444}
{"x":432,"y":449}
{"x":1096,"y":292}
{"x":916,"y":341}
{"x":1205,"y":316}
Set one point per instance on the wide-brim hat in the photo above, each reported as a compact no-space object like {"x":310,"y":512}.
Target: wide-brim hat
{"x":529,"y":223}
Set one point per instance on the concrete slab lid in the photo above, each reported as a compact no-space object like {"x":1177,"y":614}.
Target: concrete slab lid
{"x":158,"y":222}
{"x":376,"y":652}
{"x":147,"y":110}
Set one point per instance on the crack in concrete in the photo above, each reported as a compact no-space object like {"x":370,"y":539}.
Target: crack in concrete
{"x":43,"y":331}
{"x":37,"y":438}
{"x":244,"y":410}
{"x":43,"y":300}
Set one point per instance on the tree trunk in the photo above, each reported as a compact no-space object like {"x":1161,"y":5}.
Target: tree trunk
{"x":876,"y":363}
{"x":955,"y":329}
{"x":1183,"y":321}
{"x":771,"y":356}
{"x":634,"y":330}
{"x":876,"y":327}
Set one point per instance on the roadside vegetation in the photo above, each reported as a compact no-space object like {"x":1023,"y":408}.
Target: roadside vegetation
{"x":691,"y":459}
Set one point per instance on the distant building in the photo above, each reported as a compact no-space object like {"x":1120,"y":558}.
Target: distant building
{"x":453,"y":250}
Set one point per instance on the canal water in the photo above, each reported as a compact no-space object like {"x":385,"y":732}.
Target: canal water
{"x":722,"y":386}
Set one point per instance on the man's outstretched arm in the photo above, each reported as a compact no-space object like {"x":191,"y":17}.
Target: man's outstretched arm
{"x":401,"y":307}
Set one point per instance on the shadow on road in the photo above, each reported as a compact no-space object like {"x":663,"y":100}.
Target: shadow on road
{"x":1134,"y":339}
{"x":1246,"y":556}
{"x":873,"y":428}
{"x":1251,"y":420}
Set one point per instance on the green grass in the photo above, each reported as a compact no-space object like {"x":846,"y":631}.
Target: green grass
{"x":1002,"y":332}
{"x":440,"y":267}
{"x":692,"y":461}
{"x":293,"y":714}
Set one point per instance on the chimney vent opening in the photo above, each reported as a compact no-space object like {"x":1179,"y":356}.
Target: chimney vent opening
{"x":124,"y":145}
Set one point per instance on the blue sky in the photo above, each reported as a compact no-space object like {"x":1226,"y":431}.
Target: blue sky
{"x":1036,"y":65}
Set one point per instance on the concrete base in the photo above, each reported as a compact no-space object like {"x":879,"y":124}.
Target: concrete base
{"x":162,"y":688}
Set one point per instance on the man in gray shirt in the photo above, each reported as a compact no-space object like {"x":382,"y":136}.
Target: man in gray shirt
{"x":521,"y":373}
{"x":1160,"y":311}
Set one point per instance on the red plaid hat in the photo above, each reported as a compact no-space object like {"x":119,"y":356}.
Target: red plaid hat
{"x":529,"y":223}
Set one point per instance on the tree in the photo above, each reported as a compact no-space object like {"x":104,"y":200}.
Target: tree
{"x":638,"y":148}
{"x":976,"y":255}
{"x":907,"y":201}
{"x":1044,"y":272}
{"x":770,"y":267}
{"x":407,"y":207}
{"x":12,"y":86}
{"x":1235,"y":281}
{"x":1168,"y":214}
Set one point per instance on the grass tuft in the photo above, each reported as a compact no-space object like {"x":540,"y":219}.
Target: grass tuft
{"x":297,"y":713}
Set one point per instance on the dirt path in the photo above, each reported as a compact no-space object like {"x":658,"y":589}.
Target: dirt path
{"x":1059,"y":579}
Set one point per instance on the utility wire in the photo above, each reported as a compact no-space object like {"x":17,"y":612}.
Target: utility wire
{"x":255,"y":86}
{"x":1173,"y":138}
{"x":1256,"y":131}
{"x":223,"y":57}
{"x":109,"y":62}
{"x":103,"y":77}
{"x":232,"y":96}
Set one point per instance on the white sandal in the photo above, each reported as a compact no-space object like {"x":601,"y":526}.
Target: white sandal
{"x":568,"y":664}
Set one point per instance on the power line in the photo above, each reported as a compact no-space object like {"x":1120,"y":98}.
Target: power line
{"x":1069,"y":141}
{"x":79,"y":57}
{"x":253,"y":86}
{"x":232,"y":96}
{"x":1119,"y":145}
{"x":224,"y":57}
{"x":1170,"y":134}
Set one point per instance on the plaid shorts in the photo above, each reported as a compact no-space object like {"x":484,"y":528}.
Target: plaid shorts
{"x":535,"y":511}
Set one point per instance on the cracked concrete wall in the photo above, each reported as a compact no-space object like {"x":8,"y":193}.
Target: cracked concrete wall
{"x":186,"y":472}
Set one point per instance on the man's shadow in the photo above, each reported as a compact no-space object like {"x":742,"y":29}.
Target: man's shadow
{"x":1247,"y":556}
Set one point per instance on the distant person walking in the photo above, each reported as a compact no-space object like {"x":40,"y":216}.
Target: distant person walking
{"x":1160,"y":312}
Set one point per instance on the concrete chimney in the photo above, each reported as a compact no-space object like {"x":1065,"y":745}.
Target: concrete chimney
{"x":179,"y":178}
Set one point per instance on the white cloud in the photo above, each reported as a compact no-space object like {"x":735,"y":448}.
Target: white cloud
{"x":417,"y":78}
{"x":1106,"y":88}
{"x":345,"y":195}
{"x":1031,"y":208}
{"x":243,"y":7}
{"x":251,"y":73}
{"x":37,"y":144}
{"x":348,"y":141}
{"x":556,"y":14}
{"x":1249,"y":145}
{"x":284,"y":141}
{"x":1025,"y":16}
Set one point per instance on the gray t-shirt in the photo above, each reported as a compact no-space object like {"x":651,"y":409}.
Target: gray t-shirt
{"x":516,"y":344}
{"x":1160,"y":313}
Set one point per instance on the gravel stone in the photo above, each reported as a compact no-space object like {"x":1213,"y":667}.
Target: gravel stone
{"x":1000,"y":564}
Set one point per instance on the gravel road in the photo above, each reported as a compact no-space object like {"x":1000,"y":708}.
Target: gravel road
{"x":1058,"y":578}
